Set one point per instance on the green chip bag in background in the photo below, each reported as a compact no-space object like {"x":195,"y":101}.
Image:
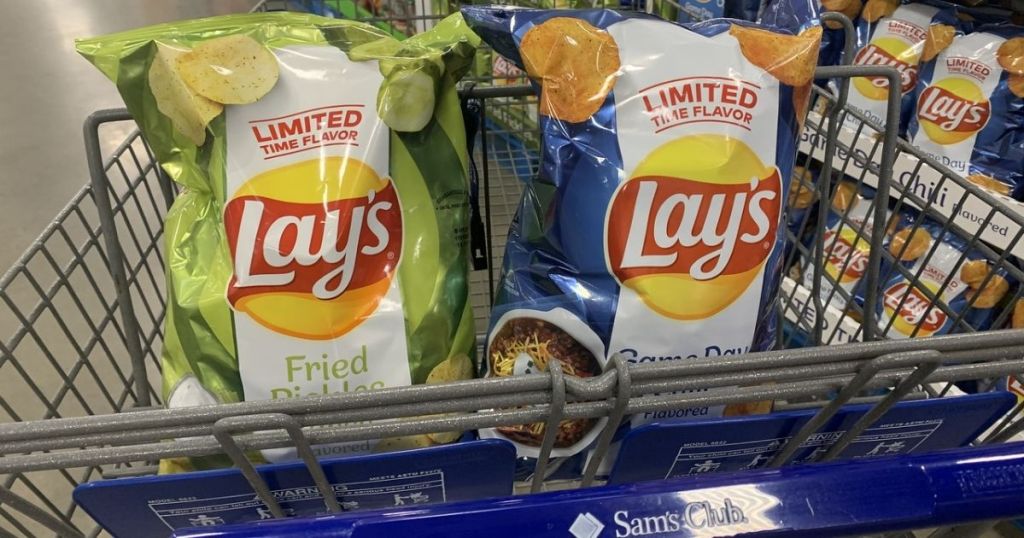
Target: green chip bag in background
{"x":319,"y":243}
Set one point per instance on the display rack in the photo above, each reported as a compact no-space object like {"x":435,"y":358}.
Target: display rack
{"x":991,"y":225}
{"x":927,"y":184}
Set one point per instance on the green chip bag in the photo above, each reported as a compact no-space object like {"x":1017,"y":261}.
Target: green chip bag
{"x":318,"y":245}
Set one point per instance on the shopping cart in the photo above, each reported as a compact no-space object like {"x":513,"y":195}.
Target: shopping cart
{"x":85,"y":305}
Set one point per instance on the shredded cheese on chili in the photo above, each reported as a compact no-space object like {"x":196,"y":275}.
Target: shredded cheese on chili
{"x":504,"y":360}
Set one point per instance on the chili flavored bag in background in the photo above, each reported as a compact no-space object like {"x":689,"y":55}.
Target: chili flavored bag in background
{"x":653,"y":228}
{"x":956,"y":276}
{"x":318,"y":244}
{"x":801,"y":205}
{"x":970,"y":108}
{"x":835,"y":37}
{"x":847,"y":245}
{"x":911,"y":34}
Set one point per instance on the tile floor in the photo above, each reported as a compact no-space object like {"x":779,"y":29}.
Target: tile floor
{"x":47,"y":90}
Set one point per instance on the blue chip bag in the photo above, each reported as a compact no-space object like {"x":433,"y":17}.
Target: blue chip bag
{"x":912,"y":34}
{"x":691,"y":11}
{"x":653,"y":228}
{"x":968,"y":115}
{"x":846,"y":244}
{"x":955,"y":275}
{"x":794,"y":14}
{"x":801,"y":206}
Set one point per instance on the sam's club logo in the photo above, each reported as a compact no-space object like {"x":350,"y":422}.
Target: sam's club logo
{"x":692,"y":515}
{"x":586,"y":526}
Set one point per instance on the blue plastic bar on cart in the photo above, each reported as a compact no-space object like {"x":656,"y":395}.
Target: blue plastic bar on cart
{"x":156,"y":505}
{"x":674,"y":449}
{"x":870,"y":495}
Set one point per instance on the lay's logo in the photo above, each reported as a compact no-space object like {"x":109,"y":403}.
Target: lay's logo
{"x":842,"y":255}
{"x":314,"y":246}
{"x":914,"y":310}
{"x":889,"y":52}
{"x":692,"y":227}
{"x":952,"y":110}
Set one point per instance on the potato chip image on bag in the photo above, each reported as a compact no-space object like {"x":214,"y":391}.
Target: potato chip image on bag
{"x":653,"y":229}
{"x":575,"y":63}
{"x":969,"y":115}
{"x":910,"y":35}
{"x":316,"y":246}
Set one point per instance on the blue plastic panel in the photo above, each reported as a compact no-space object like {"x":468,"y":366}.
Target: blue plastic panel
{"x":674,"y":449}
{"x":871,"y":495}
{"x":156,"y":505}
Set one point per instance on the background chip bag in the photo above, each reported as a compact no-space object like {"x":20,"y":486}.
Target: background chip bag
{"x":970,"y":108}
{"x":912,"y":34}
{"x":928,"y":267}
{"x":846,"y":245}
{"x":618,"y":245}
{"x":311,"y":249}
{"x":801,"y":208}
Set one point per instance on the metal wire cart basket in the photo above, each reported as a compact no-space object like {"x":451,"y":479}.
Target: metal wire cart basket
{"x":83,"y":312}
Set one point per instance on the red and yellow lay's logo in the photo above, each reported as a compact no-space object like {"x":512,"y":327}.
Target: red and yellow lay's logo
{"x":690,"y":230}
{"x":952,"y":110}
{"x":910,"y":308}
{"x":315,"y":245}
{"x":842,"y":255}
{"x":890,"y":52}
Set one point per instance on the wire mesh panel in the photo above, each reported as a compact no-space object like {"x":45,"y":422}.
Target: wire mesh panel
{"x":65,"y":350}
{"x":505,"y":160}
{"x":942,"y":269}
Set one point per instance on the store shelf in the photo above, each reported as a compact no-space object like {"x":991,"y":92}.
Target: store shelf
{"x":927,"y":184}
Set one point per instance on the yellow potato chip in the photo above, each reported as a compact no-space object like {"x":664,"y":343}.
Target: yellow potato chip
{"x":791,"y":59}
{"x":939,"y":37}
{"x":405,"y":442}
{"x":877,"y":9}
{"x":801,"y":189}
{"x":845,"y":196}
{"x":576,"y":63}
{"x":762,"y":407}
{"x":188,"y":111}
{"x":894,"y":220}
{"x":443,"y":438}
{"x":990,"y":295}
{"x":1016,"y":84}
{"x":453,"y":368}
{"x":989,"y":183}
{"x":1011,"y":55}
{"x":796,"y":272}
{"x":850,"y":8}
{"x":233,"y":70}
{"x":821,"y":106}
{"x":175,"y":465}
{"x":918,"y":243}
{"x":974,"y":272}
